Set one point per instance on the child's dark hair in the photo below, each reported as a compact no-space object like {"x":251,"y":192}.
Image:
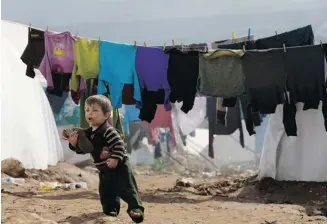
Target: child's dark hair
{"x":102,"y":101}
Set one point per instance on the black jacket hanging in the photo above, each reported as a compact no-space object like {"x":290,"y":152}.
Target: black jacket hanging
{"x":34,"y":51}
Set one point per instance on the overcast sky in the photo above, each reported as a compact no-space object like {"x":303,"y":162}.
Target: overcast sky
{"x":156,"y":21}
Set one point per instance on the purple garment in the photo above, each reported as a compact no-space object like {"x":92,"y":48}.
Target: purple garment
{"x":151,"y":68}
{"x":59,"y":55}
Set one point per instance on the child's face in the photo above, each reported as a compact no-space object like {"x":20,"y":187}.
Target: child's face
{"x":94,"y":115}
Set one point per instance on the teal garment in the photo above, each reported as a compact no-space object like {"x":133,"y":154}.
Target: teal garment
{"x":116,"y":121}
{"x":117,"y":67}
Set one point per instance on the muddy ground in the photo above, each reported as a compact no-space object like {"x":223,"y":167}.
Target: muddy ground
{"x":218,"y":200}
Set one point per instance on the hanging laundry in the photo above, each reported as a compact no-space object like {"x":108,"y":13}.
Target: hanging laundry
{"x":220,"y":73}
{"x":306,"y":75}
{"x":58,"y":61}
{"x":151,"y":68}
{"x":86,"y":63}
{"x":78,"y":95}
{"x":194,"y":118}
{"x":233,"y":122}
{"x":128,"y":94}
{"x":61,"y":84}
{"x":131,"y":114}
{"x":221,"y":111}
{"x":233,"y":42}
{"x":117,"y":67}
{"x":298,"y":37}
{"x":248,"y":45}
{"x":252,"y":118}
{"x":265,"y":77}
{"x":183,"y":72}
{"x":91,"y":89}
{"x":162,"y":119}
{"x":325,"y":52}
{"x":34,"y":51}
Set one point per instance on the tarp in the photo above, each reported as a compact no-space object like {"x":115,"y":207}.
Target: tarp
{"x":28,"y":130}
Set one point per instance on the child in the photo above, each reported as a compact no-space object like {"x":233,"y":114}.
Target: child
{"x":109,"y":154}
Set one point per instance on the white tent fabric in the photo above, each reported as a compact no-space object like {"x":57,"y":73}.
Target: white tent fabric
{"x":301,"y":158}
{"x":194,"y":118}
{"x":28,"y":129}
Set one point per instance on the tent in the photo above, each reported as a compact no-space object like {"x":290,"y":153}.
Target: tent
{"x":28,"y":130}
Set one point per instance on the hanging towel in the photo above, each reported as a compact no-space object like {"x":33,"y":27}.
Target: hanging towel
{"x":117,"y":67}
{"x":34,"y":51}
{"x":220,"y":73}
{"x":86,"y":63}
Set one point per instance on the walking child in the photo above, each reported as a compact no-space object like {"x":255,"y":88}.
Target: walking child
{"x":107,"y":147}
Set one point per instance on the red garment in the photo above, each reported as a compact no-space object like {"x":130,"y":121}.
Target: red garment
{"x":162,"y":119}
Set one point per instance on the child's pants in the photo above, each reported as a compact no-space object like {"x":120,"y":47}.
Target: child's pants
{"x":119,"y":183}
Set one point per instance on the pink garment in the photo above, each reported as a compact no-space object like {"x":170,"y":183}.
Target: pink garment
{"x":59,"y":55}
{"x":162,"y":119}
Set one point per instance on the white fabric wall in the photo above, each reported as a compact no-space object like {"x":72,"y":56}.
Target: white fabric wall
{"x":28,"y":129}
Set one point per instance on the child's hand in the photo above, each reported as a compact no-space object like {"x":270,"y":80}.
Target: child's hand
{"x":112,"y":163}
{"x":73,"y":139}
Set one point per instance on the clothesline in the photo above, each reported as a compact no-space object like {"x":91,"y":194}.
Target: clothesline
{"x":153,"y":78}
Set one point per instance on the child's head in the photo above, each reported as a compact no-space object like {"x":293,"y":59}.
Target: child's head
{"x":97,"y":110}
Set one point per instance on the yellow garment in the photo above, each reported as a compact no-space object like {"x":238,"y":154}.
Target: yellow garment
{"x":220,"y":53}
{"x":86,"y":65}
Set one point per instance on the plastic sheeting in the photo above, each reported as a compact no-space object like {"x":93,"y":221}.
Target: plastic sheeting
{"x":194,"y":118}
{"x":28,"y":129}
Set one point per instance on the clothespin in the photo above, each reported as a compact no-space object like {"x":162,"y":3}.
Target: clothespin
{"x":30,"y":26}
{"x":173,"y":42}
{"x":244,"y":47}
{"x":284,"y":47}
{"x":233,"y":36}
{"x":144,"y":44}
{"x":99,"y":39}
{"x":205,"y":48}
{"x":276,"y":33}
{"x":134,"y":43}
{"x":47,"y":29}
{"x":182,"y":46}
{"x":321,"y":44}
{"x":249,"y":34}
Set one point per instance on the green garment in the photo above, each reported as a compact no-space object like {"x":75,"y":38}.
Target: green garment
{"x":85,"y":95}
{"x":221,"y":74}
{"x":86,"y":61}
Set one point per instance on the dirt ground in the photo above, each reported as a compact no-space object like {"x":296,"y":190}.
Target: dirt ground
{"x":256,"y":202}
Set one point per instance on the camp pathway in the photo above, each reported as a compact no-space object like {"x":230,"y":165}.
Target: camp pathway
{"x":25,"y":205}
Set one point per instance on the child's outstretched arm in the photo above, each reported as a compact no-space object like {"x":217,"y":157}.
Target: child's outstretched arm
{"x":72,"y":139}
